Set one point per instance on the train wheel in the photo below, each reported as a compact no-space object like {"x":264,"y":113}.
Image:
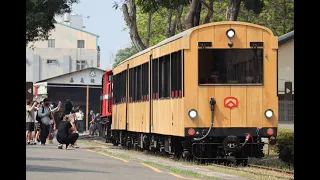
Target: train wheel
{"x":243,"y":162}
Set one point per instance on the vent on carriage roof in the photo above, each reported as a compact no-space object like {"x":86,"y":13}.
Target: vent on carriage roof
{"x":286,"y":38}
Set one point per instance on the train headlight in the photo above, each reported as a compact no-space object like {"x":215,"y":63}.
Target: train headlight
{"x":192,"y":113}
{"x":268,"y":113}
{"x":230,"y":33}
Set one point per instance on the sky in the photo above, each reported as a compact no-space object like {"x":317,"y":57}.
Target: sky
{"x":108,"y":23}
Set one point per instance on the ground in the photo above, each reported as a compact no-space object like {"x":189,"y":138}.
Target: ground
{"x":52,"y":163}
{"x":102,"y":161}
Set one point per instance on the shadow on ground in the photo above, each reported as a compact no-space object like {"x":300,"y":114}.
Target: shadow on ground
{"x":37,"y":168}
{"x":49,"y":159}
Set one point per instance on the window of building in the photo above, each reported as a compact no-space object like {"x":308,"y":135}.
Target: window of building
{"x":51,"y":43}
{"x":81,"y":64}
{"x":230,"y":66}
{"x":80,"y":43}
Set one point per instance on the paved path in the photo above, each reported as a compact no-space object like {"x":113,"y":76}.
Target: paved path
{"x":50,"y":163}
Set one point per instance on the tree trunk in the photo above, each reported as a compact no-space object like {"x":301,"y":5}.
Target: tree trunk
{"x":197,"y":15}
{"x":233,"y":10}
{"x":131,"y":21}
{"x":189,"y":19}
{"x":210,"y":11}
{"x":149,"y":30}
{"x":176,"y":21}
{"x":284,"y":25}
{"x":168,"y":29}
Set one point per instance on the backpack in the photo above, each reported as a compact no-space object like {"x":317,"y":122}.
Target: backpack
{"x":39,"y":118}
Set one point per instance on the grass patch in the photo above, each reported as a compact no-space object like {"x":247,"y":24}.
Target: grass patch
{"x":180,"y":171}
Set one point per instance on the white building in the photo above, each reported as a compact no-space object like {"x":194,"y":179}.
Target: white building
{"x":286,"y":61}
{"x":286,"y":74}
{"x":69,"y":48}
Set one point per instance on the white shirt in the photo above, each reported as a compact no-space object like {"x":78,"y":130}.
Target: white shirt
{"x":79,"y":116}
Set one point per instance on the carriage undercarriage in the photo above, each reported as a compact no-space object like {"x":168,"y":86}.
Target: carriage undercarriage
{"x":211,"y":149}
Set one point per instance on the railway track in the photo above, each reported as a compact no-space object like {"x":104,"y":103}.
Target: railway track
{"x":290,"y":174}
{"x":272,"y":169}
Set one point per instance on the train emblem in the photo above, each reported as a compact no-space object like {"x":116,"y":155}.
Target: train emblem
{"x":231,"y":102}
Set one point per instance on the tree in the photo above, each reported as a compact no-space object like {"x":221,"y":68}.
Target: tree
{"x":129,"y":12}
{"x":193,"y":14}
{"x":234,"y":8}
{"x":123,"y":54}
{"x":40,"y":17}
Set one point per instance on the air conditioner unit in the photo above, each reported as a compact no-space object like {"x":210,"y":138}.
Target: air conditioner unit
{"x":52,"y":61}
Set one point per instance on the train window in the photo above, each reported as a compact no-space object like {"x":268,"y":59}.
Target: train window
{"x":167,"y":76}
{"x":110,"y":78}
{"x":137,"y":89}
{"x":230,"y":66}
{"x":176,"y":74}
{"x":131,"y":84}
{"x":115,"y":89}
{"x":155,"y":79}
{"x":162,"y":76}
{"x":145,"y":81}
{"x":123,"y":86}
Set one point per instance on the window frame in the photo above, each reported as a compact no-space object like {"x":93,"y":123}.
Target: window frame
{"x":228,"y":84}
{"x":54,"y":43}
{"x":78,"y":43}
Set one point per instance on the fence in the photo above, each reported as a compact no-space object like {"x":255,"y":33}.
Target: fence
{"x":286,"y":111}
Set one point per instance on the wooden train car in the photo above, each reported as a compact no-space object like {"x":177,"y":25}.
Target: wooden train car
{"x":209,"y":92}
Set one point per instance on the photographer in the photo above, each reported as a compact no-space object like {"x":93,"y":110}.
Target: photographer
{"x":64,"y":136}
{"x":45,"y":113}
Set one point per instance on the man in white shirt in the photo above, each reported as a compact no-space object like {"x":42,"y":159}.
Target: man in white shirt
{"x":29,"y":120}
{"x":79,"y":117}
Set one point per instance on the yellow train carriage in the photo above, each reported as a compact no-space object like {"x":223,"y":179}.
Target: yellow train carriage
{"x":212,"y":84}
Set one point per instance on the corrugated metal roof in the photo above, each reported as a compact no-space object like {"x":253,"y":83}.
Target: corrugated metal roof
{"x":286,"y":38}
{"x":44,"y":80}
{"x":78,"y":29}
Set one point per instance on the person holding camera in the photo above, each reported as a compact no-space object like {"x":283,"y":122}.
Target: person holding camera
{"x":30,"y":107}
{"x":64,"y":136}
{"x":45,"y":115}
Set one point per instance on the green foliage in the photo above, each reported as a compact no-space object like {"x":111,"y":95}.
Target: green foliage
{"x":154,"y":5}
{"x":123,"y":54}
{"x":40,"y":17}
{"x":254,"y":5}
{"x":158,"y":25}
{"x":285,"y":145}
{"x":277,"y":15}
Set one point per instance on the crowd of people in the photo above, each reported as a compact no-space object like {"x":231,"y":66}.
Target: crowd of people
{"x":45,"y":120}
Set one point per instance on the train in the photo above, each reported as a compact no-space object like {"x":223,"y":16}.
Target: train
{"x":207,"y":93}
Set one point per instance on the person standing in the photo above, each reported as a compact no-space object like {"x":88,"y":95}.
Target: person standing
{"x":36,"y":132}
{"x":90,"y":121}
{"x":45,"y":113}
{"x":98,"y":124}
{"x":80,"y":116}
{"x":29,"y":120}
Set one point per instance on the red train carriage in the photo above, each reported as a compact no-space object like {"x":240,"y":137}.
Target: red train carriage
{"x":106,"y":101}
